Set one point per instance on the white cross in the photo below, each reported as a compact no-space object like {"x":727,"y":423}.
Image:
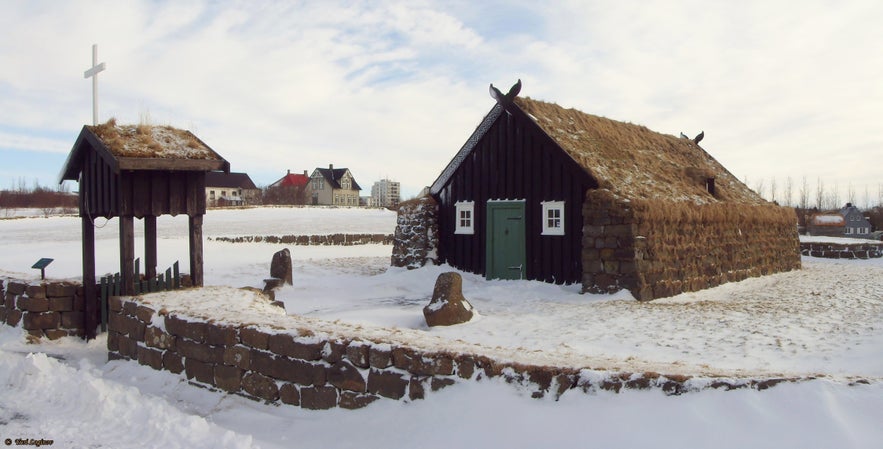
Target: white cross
{"x":93,"y":73}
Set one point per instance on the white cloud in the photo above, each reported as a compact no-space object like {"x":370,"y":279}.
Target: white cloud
{"x":395,"y":88}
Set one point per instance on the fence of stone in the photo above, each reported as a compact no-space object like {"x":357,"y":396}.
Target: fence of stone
{"x":842,"y":251}
{"x":304,"y":240}
{"x":44,"y":309}
{"x":306,"y":367}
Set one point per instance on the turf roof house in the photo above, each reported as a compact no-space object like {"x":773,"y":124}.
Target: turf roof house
{"x":543,"y":192}
{"x":142,"y":171}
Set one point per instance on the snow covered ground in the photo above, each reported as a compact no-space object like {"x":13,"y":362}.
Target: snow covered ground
{"x":825,"y":320}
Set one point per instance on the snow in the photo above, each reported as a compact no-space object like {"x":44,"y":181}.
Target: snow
{"x":822,"y":321}
{"x":828,"y":220}
{"x":837,"y":240}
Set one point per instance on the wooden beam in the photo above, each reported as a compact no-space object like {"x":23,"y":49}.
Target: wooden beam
{"x":127,"y":254}
{"x":141,"y":201}
{"x":147,"y":163}
{"x":196,"y":256}
{"x":150,"y":246}
{"x":92,"y":314}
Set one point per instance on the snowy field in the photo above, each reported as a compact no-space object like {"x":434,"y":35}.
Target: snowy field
{"x":824,"y":321}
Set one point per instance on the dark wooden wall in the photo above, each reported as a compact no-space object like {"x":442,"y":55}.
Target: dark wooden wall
{"x":104,"y":193}
{"x":515,"y":160}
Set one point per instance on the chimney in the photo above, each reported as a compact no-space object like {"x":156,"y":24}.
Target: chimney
{"x":289,"y":172}
{"x":305,"y":173}
{"x":330,"y":166}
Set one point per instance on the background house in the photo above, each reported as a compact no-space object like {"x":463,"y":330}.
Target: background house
{"x":385,"y":193}
{"x":334,"y":187}
{"x":292,"y":188}
{"x":857,"y":225}
{"x":230,"y":189}
{"x":543,"y":192}
{"x":847,"y":222}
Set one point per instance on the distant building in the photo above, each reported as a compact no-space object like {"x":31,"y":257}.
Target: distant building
{"x":829,"y":225}
{"x":385,"y":193}
{"x":292,"y":180}
{"x":289,"y":189}
{"x":230,"y":189}
{"x":857,"y":225}
{"x":847,"y":222}
{"x":334,"y":187}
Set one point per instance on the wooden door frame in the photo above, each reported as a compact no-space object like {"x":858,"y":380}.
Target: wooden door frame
{"x":490,"y":206}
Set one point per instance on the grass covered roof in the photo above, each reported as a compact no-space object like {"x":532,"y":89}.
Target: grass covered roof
{"x":151,"y":141}
{"x":634,"y":162}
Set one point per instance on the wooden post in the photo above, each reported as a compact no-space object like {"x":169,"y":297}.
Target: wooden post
{"x":196,"y":273}
{"x":127,"y":254}
{"x":91,"y":312}
{"x":150,"y":246}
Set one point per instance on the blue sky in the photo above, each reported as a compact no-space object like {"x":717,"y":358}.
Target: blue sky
{"x":781,"y":89}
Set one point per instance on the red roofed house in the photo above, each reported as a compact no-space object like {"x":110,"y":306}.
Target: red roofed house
{"x":292,"y":180}
{"x":290,"y":189}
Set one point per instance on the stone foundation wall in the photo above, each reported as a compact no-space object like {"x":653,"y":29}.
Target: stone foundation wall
{"x":663,"y":249}
{"x":299,"y":368}
{"x":46,"y":309}
{"x":842,"y":251}
{"x":318,"y":240}
{"x":416,"y":236}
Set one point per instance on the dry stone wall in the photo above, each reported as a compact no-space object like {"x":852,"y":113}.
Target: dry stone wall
{"x":842,"y":251}
{"x":416,"y":236}
{"x":298,"y":368}
{"x":315,"y":240}
{"x":45,"y":309}
{"x":662,"y":249}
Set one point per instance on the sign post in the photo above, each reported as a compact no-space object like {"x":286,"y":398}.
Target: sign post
{"x":41,"y":265}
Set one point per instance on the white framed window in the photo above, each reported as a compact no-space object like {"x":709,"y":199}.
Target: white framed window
{"x":464,"y":217}
{"x":553,"y":217}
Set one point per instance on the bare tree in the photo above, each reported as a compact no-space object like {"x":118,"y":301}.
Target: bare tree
{"x":803,"y":201}
{"x":759,"y":187}
{"x":773,"y":190}
{"x":820,"y":193}
{"x":850,"y":194}
{"x":834,"y":198}
{"x":867,"y":198}
{"x":804,"y":194}
{"x":788,"y":191}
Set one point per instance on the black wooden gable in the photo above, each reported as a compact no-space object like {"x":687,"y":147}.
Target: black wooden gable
{"x":509,"y":157}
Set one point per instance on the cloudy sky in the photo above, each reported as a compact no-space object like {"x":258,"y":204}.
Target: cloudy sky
{"x":781,"y":88}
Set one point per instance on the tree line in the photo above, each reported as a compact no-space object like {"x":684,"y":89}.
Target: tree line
{"x":21,"y":196}
{"x":808,"y":197}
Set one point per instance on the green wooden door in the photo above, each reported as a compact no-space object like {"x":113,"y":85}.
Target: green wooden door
{"x":505,"y":240}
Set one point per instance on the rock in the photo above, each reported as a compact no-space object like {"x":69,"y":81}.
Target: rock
{"x":270,"y":285}
{"x":415,"y":241}
{"x":448,"y":306}
{"x":280,"y":267}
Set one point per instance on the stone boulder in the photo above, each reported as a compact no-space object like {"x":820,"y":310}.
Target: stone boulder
{"x":280,"y":267}
{"x":280,"y":272}
{"x":448,"y":306}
